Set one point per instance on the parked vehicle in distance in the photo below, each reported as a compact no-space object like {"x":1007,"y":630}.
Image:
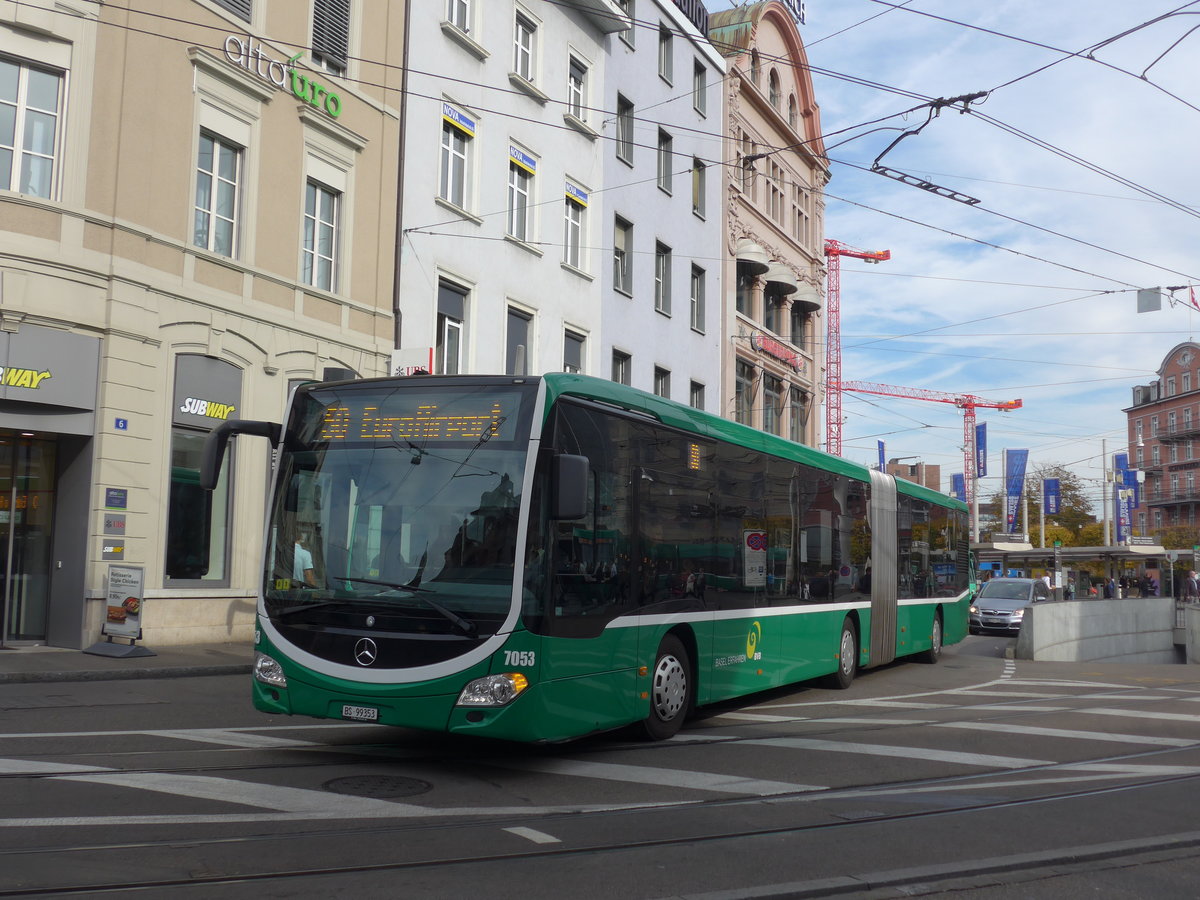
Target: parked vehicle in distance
{"x":1001,"y":603}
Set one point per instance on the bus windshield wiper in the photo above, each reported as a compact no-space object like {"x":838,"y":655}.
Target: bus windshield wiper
{"x":466,"y":626}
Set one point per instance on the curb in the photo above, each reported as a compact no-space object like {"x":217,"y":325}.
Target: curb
{"x":123,"y":674}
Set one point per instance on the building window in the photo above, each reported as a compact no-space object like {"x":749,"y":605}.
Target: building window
{"x":743,"y":392}
{"x":755,"y":68}
{"x":665,"y":161}
{"x":744,"y":299}
{"x":517,"y":356}
{"x":458,"y":132}
{"x":218,"y":175}
{"x":1171,"y":422}
{"x":798,"y":318}
{"x":1154,"y":426}
{"x":696,"y":395}
{"x":623,"y":256}
{"x":1137,"y":428}
{"x":662,"y":382}
{"x":30,"y":114}
{"x":772,"y":312}
{"x":699,"y":88}
{"x":699,"y":183}
{"x":1185,"y":382}
{"x":1171,"y":386}
{"x":319,"y":254}
{"x":240,"y":8}
{"x":662,"y":278}
{"x":520,"y":189}
{"x":793,"y":112}
{"x":524,"y":47}
{"x":775,"y":193}
{"x":800,"y":216}
{"x":624,"y":130}
{"x":1156,"y":455}
{"x":451,"y":319}
{"x":331,"y":34}
{"x":628,"y":35}
{"x":197,"y":522}
{"x":1139,"y":457}
{"x":458,"y":14}
{"x":696,"y":298}
{"x":798,"y":410}
{"x":773,"y":88}
{"x":577,"y":89}
{"x":574,"y":209}
{"x":622,"y":366}
{"x":665,"y":53}
{"x":573,"y":351}
{"x":772,"y":404}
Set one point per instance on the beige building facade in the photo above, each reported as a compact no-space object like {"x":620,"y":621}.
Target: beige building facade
{"x":190,"y":223}
{"x":773,"y":353}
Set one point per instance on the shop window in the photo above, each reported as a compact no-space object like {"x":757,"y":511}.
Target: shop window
{"x":30,"y":117}
{"x":198,"y":521}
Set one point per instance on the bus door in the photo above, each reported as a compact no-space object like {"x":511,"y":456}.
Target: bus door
{"x":882,"y":512}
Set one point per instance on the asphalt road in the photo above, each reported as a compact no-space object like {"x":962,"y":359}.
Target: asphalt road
{"x":980,"y":776}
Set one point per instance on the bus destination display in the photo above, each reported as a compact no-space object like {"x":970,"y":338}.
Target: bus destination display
{"x":422,"y":421}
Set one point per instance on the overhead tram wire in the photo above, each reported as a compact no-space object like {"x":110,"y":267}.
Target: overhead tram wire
{"x":1059,"y":234}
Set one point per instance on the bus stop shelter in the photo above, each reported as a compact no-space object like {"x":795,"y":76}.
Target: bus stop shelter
{"x":1115,"y":558}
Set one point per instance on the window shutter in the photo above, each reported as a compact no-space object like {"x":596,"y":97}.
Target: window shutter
{"x":240,"y":8}
{"x":331,"y":31}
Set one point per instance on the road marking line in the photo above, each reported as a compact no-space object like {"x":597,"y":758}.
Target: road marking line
{"x":38,"y":767}
{"x":968,"y":692}
{"x":228,"y":738}
{"x":850,"y":720}
{"x":538,"y":837}
{"x":700,"y":781}
{"x":949,"y":756}
{"x":1065,"y":733}
{"x":893,"y":704}
{"x":758,"y":717}
{"x":1141,"y":714}
{"x":1020,"y":707}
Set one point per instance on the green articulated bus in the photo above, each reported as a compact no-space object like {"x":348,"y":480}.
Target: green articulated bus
{"x":540,"y":558}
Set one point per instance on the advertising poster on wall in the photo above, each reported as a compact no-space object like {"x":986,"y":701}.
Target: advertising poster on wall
{"x":754,"y":554}
{"x":125,"y":601}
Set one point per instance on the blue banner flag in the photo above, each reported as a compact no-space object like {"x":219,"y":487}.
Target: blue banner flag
{"x":1120,"y":462}
{"x":1014,"y":481}
{"x":981,"y":450}
{"x":958,"y":489}
{"x":882,"y":467}
{"x":1051,"y":491}
{"x":1122,"y":503}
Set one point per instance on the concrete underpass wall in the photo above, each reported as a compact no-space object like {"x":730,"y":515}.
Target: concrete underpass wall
{"x":1135,"y":630}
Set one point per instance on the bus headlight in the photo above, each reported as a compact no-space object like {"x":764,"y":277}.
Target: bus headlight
{"x":268,"y":671}
{"x":493,"y":690}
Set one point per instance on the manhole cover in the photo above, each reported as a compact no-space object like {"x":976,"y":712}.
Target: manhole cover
{"x":380,"y":786}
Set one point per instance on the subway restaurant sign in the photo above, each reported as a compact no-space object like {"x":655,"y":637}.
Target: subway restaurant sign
{"x":248,"y":54}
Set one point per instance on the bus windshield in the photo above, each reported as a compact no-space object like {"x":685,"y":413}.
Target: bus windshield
{"x":399,"y":501}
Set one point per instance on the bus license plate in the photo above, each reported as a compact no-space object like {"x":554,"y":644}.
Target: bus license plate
{"x":361,"y":713}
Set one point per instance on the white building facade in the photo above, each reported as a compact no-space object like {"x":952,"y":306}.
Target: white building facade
{"x":500,"y":270}
{"x":662,"y":226}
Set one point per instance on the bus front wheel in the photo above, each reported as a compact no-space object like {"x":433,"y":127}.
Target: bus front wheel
{"x":670,"y":690}
{"x":847,"y":657}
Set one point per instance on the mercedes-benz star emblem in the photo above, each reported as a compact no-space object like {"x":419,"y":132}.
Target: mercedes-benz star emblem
{"x":365,"y":652}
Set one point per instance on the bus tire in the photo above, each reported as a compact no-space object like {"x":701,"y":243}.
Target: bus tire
{"x":934,"y":653}
{"x":670,"y":690}
{"x":847,"y":657}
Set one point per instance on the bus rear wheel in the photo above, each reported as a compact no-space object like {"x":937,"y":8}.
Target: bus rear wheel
{"x":670,"y":690}
{"x":847,"y":657}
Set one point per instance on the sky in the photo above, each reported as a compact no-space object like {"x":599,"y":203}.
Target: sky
{"x":1085,"y":170}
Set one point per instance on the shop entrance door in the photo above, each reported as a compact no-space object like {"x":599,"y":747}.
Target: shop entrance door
{"x":26,"y":531}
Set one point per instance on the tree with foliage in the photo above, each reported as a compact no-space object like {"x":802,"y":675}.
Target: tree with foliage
{"x":1074,"y":510}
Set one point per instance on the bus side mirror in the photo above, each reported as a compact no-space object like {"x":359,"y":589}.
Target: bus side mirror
{"x":570,"y":486}
{"x":213,"y":453}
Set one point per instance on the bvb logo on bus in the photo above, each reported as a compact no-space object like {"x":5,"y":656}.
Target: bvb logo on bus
{"x":752,"y":639}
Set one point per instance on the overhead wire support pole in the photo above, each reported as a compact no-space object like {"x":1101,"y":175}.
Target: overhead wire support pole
{"x":834,"y":251}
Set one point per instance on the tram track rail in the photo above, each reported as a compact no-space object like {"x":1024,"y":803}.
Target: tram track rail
{"x":296,"y":876}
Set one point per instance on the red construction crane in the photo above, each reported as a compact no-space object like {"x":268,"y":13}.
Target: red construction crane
{"x":968,"y":403}
{"x":834,"y":251}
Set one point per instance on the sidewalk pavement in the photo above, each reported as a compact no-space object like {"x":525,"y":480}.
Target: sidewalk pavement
{"x":33,"y":664}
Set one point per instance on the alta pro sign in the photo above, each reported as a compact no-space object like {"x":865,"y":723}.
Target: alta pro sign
{"x":249,"y":55}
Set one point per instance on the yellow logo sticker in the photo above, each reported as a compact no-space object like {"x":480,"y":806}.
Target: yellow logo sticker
{"x":752,"y":639}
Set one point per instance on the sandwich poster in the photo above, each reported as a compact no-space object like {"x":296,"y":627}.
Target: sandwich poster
{"x":123,"y":610}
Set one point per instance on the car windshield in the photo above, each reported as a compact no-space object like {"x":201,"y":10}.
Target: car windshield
{"x":1005,"y":590}
{"x":401,"y":501}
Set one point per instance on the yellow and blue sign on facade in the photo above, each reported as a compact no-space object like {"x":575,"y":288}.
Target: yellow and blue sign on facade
{"x":577,"y":194}
{"x":463,"y":123}
{"x":522,"y":159}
